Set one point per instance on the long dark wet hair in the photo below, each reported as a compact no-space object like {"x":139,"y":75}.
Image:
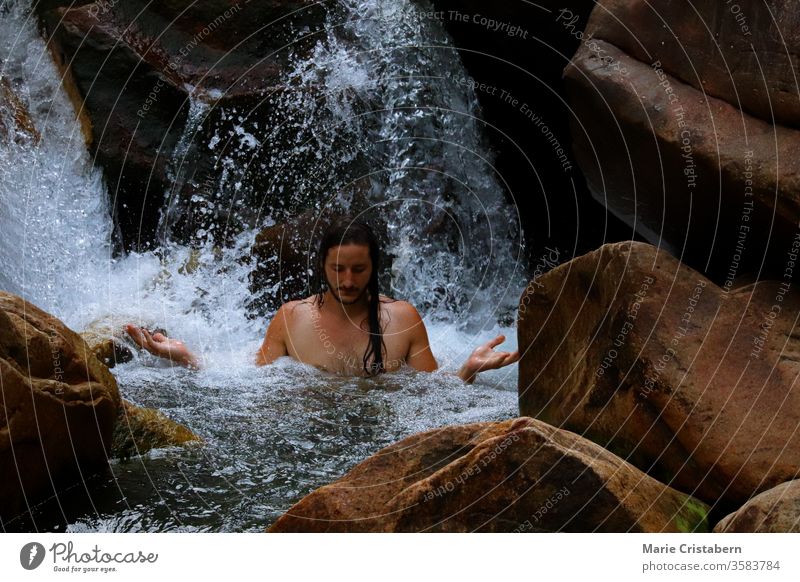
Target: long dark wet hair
{"x":344,"y":231}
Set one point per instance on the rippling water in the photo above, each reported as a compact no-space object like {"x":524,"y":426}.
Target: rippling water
{"x":271,"y":435}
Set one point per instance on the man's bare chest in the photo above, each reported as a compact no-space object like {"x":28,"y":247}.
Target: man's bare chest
{"x":339,"y":346}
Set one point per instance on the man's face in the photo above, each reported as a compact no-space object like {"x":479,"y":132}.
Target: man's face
{"x":347,"y":270}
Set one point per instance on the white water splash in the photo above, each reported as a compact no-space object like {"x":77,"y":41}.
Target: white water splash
{"x":56,"y":239}
{"x":56,"y":228}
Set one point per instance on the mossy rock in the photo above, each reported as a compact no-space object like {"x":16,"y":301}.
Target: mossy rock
{"x":139,"y":430}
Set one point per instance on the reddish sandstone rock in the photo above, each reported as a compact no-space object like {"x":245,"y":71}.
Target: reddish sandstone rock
{"x":57,"y":410}
{"x":518,"y":475}
{"x":774,"y":511}
{"x":690,"y":138}
{"x":650,"y":359}
{"x":740,"y":52}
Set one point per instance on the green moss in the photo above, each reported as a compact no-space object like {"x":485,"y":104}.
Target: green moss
{"x":692,"y":516}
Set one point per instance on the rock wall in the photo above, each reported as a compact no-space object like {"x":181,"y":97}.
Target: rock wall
{"x":685,"y":125}
{"x":140,"y":66}
{"x":515,"y":53}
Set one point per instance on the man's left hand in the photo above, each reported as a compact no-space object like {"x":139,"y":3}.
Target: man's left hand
{"x":486,"y":358}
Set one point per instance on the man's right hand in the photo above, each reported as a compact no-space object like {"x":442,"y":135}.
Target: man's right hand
{"x":162,"y":346}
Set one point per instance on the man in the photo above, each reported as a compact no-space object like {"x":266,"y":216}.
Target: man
{"x":348,"y":327}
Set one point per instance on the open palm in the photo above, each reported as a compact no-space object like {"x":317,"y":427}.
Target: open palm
{"x":162,"y":346}
{"x":485,"y":357}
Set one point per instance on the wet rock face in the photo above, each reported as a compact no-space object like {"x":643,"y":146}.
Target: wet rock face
{"x":58,"y":406}
{"x":693,"y":384}
{"x":514,"y":54}
{"x":687,"y":133}
{"x":514,"y":476}
{"x":774,"y":511}
{"x":285,"y":257}
{"x":137,"y":67}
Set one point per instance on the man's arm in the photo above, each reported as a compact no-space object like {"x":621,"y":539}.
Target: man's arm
{"x":419,"y":354}
{"x":274,"y":345}
{"x":421,"y":358}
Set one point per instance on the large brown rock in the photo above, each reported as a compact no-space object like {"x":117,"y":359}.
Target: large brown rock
{"x":740,"y":52}
{"x":774,"y":511}
{"x":687,"y":133}
{"x":518,"y":475}
{"x":57,"y":410}
{"x":643,"y":355}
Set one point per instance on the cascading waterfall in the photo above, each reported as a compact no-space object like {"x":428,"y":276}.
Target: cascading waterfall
{"x":54,"y":212}
{"x":454,"y":237}
{"x":383,"y":101}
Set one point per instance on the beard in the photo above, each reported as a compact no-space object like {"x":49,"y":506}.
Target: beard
{"x":338,"y":298}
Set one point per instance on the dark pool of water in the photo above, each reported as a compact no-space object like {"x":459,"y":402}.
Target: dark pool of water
{"x":271,"y":436}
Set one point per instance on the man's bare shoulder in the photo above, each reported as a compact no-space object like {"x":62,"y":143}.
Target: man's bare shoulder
{"x":298,"y":307}
{"x":399,"y":312}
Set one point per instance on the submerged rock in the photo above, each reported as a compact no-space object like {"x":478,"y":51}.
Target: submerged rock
{"x":57,"y":409}
{"x":518,"y":475}
{"x":774,"y":511}
{"x":106,"y":338}
{"x":643,"y":355}
{"x":139,"y":430}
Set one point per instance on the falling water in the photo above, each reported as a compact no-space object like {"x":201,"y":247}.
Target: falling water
{"x":54,"y":213}
{"x":378,"y":121}
{"x":381,"y":102}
